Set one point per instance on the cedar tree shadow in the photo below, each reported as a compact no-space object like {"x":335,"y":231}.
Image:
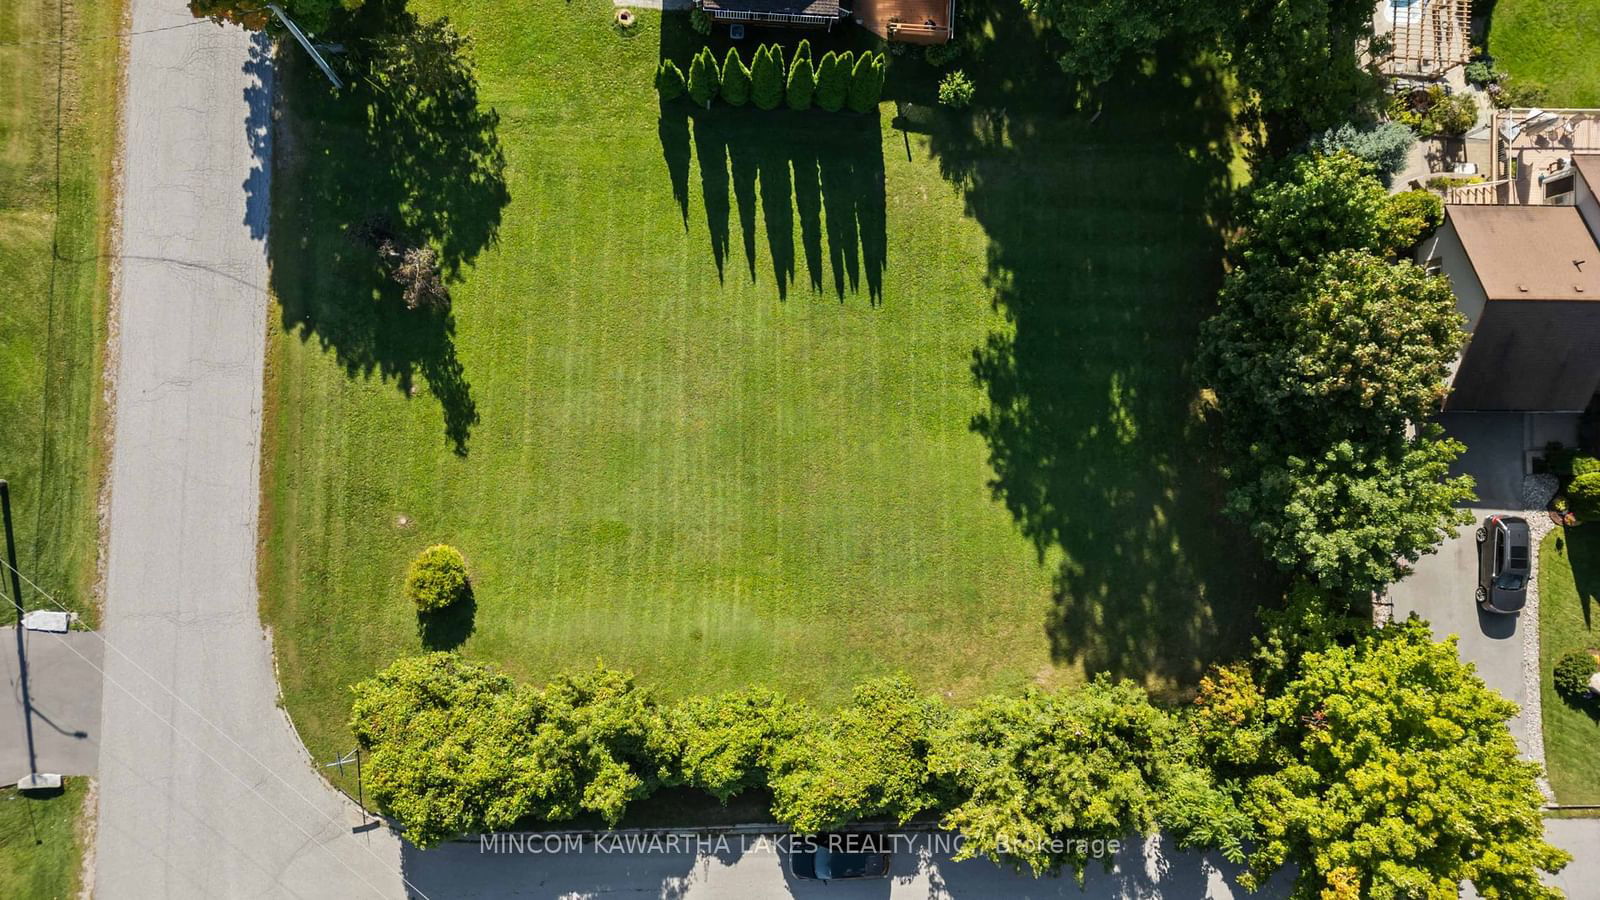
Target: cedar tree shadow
{"x":407,"y":144}
{"x":823,"y":169}
{"x":1104,"y":258}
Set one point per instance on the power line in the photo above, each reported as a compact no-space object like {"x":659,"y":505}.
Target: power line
{"x":240,"y":778}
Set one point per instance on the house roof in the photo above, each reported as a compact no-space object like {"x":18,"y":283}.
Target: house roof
{"x":1588,"y":165}
{"x":1530,"y":356}
{"x":1530,"y":252}
{"x":827,"y":9}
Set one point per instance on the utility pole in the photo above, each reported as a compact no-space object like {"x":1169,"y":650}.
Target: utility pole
{"x":340,"y":763}
{"x":22,"y":653}
{"x":304,"y":42}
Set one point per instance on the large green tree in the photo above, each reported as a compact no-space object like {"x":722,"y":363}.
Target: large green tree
{"x":1318,"y":203}
{"x":311,"y":15}
{"x":1042,"y":776}
{"x":1350,"y":516}
{"x":1390,"y":772}
{"x":1349,"y":346}
{"x":443,"y":738}
{"x":456,"y":748}
{"x":728,"y":743}
{"x":869,"y":760}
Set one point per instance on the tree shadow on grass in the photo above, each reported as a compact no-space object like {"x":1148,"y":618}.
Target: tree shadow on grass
{"x":1104,"y":257}
{"x":450,"y":627}
{"x":406,"y":143}
{"x":824,"y":170}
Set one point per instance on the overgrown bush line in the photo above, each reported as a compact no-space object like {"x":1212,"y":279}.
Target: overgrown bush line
{"x":839,"y":81}
{"x":1272,"y":765}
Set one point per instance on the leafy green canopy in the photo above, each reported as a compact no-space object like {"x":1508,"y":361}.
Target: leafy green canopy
{"x":437,"y":578}
{"x":729,"y":743}
{"x":312,"y":16}
{"x":870,"y":760}
{"x":1297,"y":59}
{"x":1389,"y":772}
{"x":1350,"y":516}
{"x":1322,"y":353}
{"x":1044,"y":774}
{"x":456,"y":748}
{"x":1348,"y":347}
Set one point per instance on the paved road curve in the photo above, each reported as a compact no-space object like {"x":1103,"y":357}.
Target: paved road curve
{"x":204,"y":789}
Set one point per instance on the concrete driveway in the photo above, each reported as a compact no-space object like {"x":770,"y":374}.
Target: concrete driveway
{"x":1440,"y":589}
{"x":64,"y":685}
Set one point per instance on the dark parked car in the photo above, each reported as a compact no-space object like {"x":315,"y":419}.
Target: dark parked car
{"x":832,"y":856}
{"x":1504,"y":562}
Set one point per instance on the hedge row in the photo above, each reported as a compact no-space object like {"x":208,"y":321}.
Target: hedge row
{"x":1274,"y":763}
{"x":840,"y":80}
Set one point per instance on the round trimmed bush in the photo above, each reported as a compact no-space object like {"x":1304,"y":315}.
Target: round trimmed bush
{"x":1583,"y":496}
{"x":437,"y":578}
{"x":1572,"y":673}
{"x":956,"y":90}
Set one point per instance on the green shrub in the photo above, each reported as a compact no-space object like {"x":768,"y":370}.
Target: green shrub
{"x":955,"y":91}
{"x":669,"y":81}
{"x":1583,"y":496}
{"x":1385,"y":145}
{"x":833,"y":80}
{"x":1519,"y":92}
{"x":866,"y":82}
{"x":1434,"y":112}
{"x":941,"y":55}
{"x":802,"y":82}
{"x":1572,"y":674}
{"x":802,"y":50}
{"x":700,"y":21}
{"x":704,"y":78}
{"x":1584,"y":465}
{"x":437,"y":578}
{"x":1410,"y":216}
{"x":735,"y":79}
{"x":766,"y":78}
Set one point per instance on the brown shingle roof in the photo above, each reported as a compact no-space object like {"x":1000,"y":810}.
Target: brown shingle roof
{"x":1529,"y":252}
{"x":1588,"y":165}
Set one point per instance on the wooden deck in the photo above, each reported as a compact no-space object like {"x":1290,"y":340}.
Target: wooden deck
{"x":908,"y":21}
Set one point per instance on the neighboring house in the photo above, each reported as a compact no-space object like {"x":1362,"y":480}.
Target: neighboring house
{"x":1527,"y":277}
{"x":908,"y":21}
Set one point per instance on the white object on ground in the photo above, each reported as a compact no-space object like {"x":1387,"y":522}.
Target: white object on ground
{"x":39,"y":781}
{"x":47,"y":620}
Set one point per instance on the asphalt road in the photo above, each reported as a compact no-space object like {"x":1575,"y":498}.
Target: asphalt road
{"x":64,"y":686}
{"x":205,"y":790}
{"x":748,"y":868}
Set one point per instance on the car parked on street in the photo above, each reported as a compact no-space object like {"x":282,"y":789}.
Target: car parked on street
{"x":830,"y":857}
{"x":1504,"y":564}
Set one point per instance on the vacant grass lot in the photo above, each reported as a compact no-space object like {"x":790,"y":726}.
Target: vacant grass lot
{"x":732,"y":396}
{"x":1552,"y":44}
{"x":41,"y":844}
{"x":58,"y":121}
{"x":1569,"y":607}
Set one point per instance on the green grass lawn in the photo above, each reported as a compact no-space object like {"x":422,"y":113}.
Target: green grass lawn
{"x":1552,"y":44}
{"x":733,"y":396}
{"x":41,"y":844}
{"x":58,"y":121}
{"x":1569,"y":605}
